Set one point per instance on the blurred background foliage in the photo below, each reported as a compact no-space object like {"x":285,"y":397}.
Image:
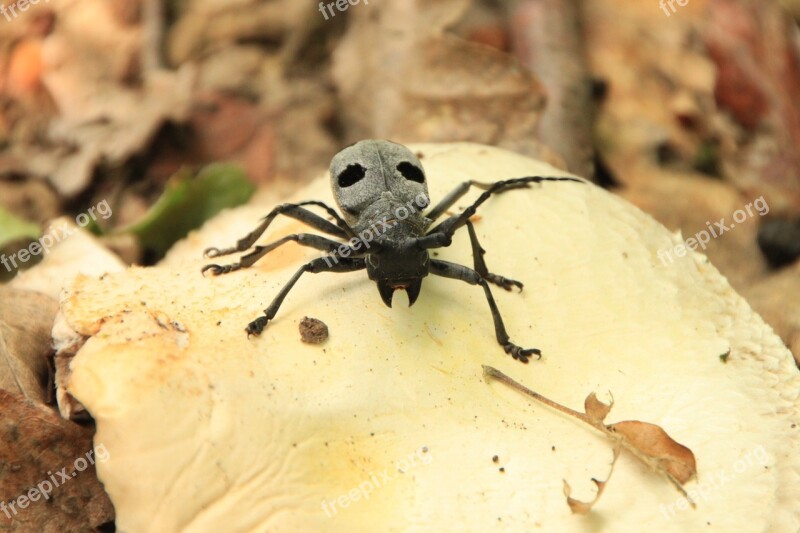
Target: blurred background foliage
{"x":171,"y":110}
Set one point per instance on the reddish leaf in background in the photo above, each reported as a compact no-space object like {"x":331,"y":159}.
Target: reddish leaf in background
{"x":37,"y":443}
{"x":758,"y":83}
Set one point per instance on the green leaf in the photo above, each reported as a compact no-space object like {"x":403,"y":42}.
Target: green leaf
{"x":706,"y":159}
{"x":15,"y":229}
{"x":187,"y":202}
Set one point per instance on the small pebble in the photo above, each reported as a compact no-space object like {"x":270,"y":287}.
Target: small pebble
{"x":313,"y":331}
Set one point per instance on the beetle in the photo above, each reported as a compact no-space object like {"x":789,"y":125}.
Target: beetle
{"x":381,"y":189}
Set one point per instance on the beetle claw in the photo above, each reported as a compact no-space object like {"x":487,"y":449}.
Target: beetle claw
{"x":216,"y":270}
{"x":256,"y":326}
{"x":521,"y":354}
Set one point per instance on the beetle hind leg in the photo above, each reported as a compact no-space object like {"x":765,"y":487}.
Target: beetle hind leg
{"x":248,"y":260}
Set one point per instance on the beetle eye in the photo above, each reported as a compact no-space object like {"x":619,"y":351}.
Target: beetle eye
{"x":352,"y":174}
{"x":411,"y":172}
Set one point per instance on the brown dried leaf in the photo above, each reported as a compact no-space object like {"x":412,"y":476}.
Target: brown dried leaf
{"x":647,"y":442}
{"x":579,"y":507}
{"x":38,"y":447}
{"x":595,"y":409}
{"x":103,"y":116}
{"x":651,"y":440}
{"x":26,"y":319}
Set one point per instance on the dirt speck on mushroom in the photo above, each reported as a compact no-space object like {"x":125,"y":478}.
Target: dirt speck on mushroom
{"x":313,"y":331}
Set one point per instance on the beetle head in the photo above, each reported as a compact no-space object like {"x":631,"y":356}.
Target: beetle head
{"x":403,"y":269}
{"x":363,"y":171}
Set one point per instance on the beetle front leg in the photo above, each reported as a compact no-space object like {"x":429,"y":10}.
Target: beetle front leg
{"x":321,"y":264}
{"x":454,"y":271}
{"x":450,"y":225}
{"x":295,"y":211}
{"x":455,"y":195}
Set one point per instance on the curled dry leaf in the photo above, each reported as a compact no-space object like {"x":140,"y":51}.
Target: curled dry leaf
{"x":595,"y":409}
{"x":579,"y":507}
{"x":647,"y":442}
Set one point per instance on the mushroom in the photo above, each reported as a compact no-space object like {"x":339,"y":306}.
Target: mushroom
{"x":390,"y":426}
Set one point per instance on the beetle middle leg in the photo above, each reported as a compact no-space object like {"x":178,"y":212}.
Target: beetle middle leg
{"x":480,"y":265}
{"x":455,"y":271}
{"x":297,"y":212}
{"x":321,"y":264}
{"x":304,"y":239}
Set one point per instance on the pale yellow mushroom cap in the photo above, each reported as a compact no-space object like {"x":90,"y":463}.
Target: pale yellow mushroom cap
{"x":390,"y":426}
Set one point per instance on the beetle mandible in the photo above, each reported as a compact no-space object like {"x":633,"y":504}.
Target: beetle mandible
{"x":381,"y":190}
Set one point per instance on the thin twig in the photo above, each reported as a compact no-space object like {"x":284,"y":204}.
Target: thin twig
{"x":153,"y":32}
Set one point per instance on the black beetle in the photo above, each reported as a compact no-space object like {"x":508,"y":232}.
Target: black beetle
{"x":381,"y":189}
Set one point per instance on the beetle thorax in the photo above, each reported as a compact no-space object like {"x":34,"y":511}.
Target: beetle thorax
{"x":390,"y":218}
